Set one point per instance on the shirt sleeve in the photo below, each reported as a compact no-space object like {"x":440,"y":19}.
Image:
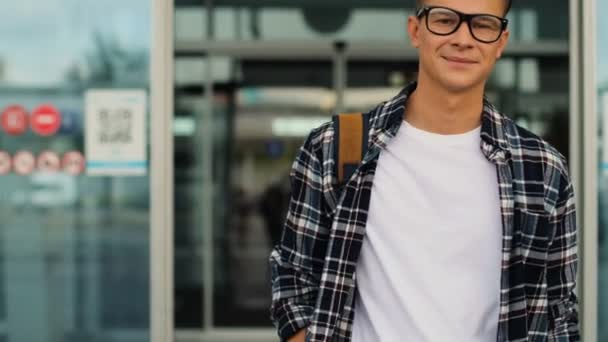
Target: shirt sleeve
{"x":297,"y":262}
{"x":561,"y":270}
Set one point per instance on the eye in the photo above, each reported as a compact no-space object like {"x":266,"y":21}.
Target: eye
{"x":443,"y":17}
{"x":483,"y":26}
{"x":444,"y":20}
{"x":486,"y":24}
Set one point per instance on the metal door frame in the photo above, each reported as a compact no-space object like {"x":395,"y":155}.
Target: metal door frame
{"x":586,"y":34}
{"x":161,"y":173}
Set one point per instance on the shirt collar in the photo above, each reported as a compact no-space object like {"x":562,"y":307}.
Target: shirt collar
{"x":386,"y":120}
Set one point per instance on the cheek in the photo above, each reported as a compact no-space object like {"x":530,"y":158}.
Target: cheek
{"x":490,"y":56}
{"x":488,"y":67}
{"x":426,"y":55}
{"x":431,"y":49}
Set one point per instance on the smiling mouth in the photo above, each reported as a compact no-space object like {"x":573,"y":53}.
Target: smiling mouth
{"x":459,"y":60}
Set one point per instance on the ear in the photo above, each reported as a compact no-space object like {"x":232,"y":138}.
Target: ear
{"x":413,"y":30}
{"x":502,"y":43}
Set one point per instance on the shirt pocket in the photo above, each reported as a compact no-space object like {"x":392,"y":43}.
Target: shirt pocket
{"x":533,"y":232}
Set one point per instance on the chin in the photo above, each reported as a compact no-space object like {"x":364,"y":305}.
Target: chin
{"x":459,"y":85}
{"x":455,"y":81}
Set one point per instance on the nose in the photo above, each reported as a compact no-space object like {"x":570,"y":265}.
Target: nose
{"x":463,"y":37}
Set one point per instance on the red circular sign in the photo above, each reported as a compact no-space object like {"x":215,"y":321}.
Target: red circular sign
{"x":48,"y":162}
{"x":14,"y":120}
{"x":46,"y":120}
{"x":5,"y":163}
{"x":24,"y":162}
{"x":73,"y":163}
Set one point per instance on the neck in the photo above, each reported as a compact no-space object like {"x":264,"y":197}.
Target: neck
{"x":441,"y":111}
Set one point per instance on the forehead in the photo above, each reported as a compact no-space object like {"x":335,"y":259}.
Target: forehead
{"x":495,"y":7}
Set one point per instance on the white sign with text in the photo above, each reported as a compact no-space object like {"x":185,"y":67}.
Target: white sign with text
{"x":115,"y":132}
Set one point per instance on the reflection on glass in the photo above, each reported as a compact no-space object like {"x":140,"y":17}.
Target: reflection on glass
{"x":267,"y":131}
{"x":73,"y":249}
{"x":534,"y":92}
{"x":257,"y":131}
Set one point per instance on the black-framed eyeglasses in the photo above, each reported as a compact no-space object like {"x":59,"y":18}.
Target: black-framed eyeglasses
{"x":444,"y":21}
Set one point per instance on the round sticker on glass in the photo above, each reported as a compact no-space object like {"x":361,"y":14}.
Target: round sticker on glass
{"x":73,"y":163}
{"x":14,"y":120}
{"x":6,"y":163}
{"x":48,"y":161}
{"x":46,"y":120}
{"x":24,"y":163}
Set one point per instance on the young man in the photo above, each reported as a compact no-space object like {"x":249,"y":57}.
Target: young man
{"x":458,"y":225}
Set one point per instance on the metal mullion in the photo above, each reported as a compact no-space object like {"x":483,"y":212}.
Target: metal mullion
{"x":161,"y":173}
{"x":206,"y":133}
{"x":340,"y":74}
{"x":575,"y":119}
{"x":208,"y":190}
{"x":589,"y":183}
{"x":208,"y":4}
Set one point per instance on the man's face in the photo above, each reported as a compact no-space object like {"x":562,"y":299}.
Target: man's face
{"x":457,"y":62}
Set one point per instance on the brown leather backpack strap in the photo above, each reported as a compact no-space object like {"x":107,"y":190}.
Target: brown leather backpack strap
{"x":350,"y":144}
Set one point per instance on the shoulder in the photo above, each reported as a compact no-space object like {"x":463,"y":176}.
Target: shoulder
{"x":320,"y":136}
{"x":527,"y":147}
{"x":539,"y":169}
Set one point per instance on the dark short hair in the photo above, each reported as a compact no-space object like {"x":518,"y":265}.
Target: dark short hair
{"x":419,"y":4}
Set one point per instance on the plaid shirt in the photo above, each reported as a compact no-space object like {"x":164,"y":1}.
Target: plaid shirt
{"x":314,"y":267}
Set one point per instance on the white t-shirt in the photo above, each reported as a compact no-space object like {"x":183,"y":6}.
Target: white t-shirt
{"x":429,"y":269}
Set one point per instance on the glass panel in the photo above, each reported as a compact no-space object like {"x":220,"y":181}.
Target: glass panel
{"x":534,"y":92}
{"x":343,"y":20}
{"x":602,"y":78}
{"x":372,"y":82}
{"x":261,"y":116}
{"x":74,"y":260}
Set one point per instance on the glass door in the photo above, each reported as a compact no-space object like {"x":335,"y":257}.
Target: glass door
{"x":251,"y":81}
{"x":237,"y":128}
{"x":75,"y":228}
